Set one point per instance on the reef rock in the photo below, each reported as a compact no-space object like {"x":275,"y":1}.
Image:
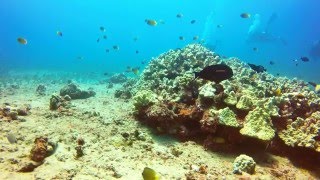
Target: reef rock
{"x":226,"y":117}
{"x":171,"y":74}
{"x":207,"y":91}
{"x":144,"y":98}
{"x":75,"y":93}
{"x":41,"y":149}
{"x":244,"y":163}
{"x":245,"y":103}
{"x":8,"y":113}
{"x":250,"y":104}
{"x":258,"y":125}
{"x":231,"y":99}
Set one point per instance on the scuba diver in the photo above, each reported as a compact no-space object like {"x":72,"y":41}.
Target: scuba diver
{"x":315,"y":50}
{"x":257,"y":34}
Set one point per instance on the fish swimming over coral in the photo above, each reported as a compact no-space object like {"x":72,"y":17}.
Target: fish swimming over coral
{"x":257,"y":68}
{"x":216,"y":73}
{"x":316,"y":86}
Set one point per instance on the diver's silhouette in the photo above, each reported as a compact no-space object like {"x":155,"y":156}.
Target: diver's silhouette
{"x":259,"y":35}
{"x":315,"y":50}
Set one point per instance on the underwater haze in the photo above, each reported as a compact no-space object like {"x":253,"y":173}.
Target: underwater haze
{"x":159,"y":89}
{"x":292,"y":25}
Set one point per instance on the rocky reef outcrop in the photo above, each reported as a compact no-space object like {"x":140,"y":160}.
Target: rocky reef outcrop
{"x":253,"y":107}
{"x":75,"y":92}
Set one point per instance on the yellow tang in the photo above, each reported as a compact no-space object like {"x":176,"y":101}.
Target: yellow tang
{"x":317,"y":88}
{"x":22,"y":41}
{"x":150,"y":174}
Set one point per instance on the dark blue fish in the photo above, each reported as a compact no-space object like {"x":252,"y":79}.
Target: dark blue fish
{"x":304,"y":59}
{"x":216,"y":73}
{"x":257,"y":68}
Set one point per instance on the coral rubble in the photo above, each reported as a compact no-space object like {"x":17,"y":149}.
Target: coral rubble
{"x":8,"y":112}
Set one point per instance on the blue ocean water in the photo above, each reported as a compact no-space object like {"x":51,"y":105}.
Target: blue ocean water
{"x":292,"y":30}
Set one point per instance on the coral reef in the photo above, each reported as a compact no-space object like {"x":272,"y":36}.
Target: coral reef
{"x":244,"y":163}
{"x":144,"y":98}
{"x":171,"y":74}
{"x":245,"y":103}
{"x":225,"y":117}
{"x":258,"y":124}
{"x":303,"y":132}
{"x":75,"y":93}
{"x":251,"y":105}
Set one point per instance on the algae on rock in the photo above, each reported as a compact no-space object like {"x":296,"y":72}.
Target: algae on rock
{"x":207,"y":91}
{"x":245,"y":103}
{"x":231,"y":99}
{"x":225,"y":117}
{"x":258,"y":125}
{"x":244,"y":163}
{"x":144,"y":98}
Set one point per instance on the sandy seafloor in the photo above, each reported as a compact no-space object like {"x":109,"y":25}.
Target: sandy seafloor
{"x":107,"y":155}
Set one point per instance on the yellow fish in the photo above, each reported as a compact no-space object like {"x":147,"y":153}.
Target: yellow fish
{"x":151,"y":22}
{"x":150,"y":174}
{"x":317,"y":88}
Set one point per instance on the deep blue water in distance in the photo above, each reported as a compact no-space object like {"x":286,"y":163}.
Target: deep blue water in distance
{"x":296,"y":23}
